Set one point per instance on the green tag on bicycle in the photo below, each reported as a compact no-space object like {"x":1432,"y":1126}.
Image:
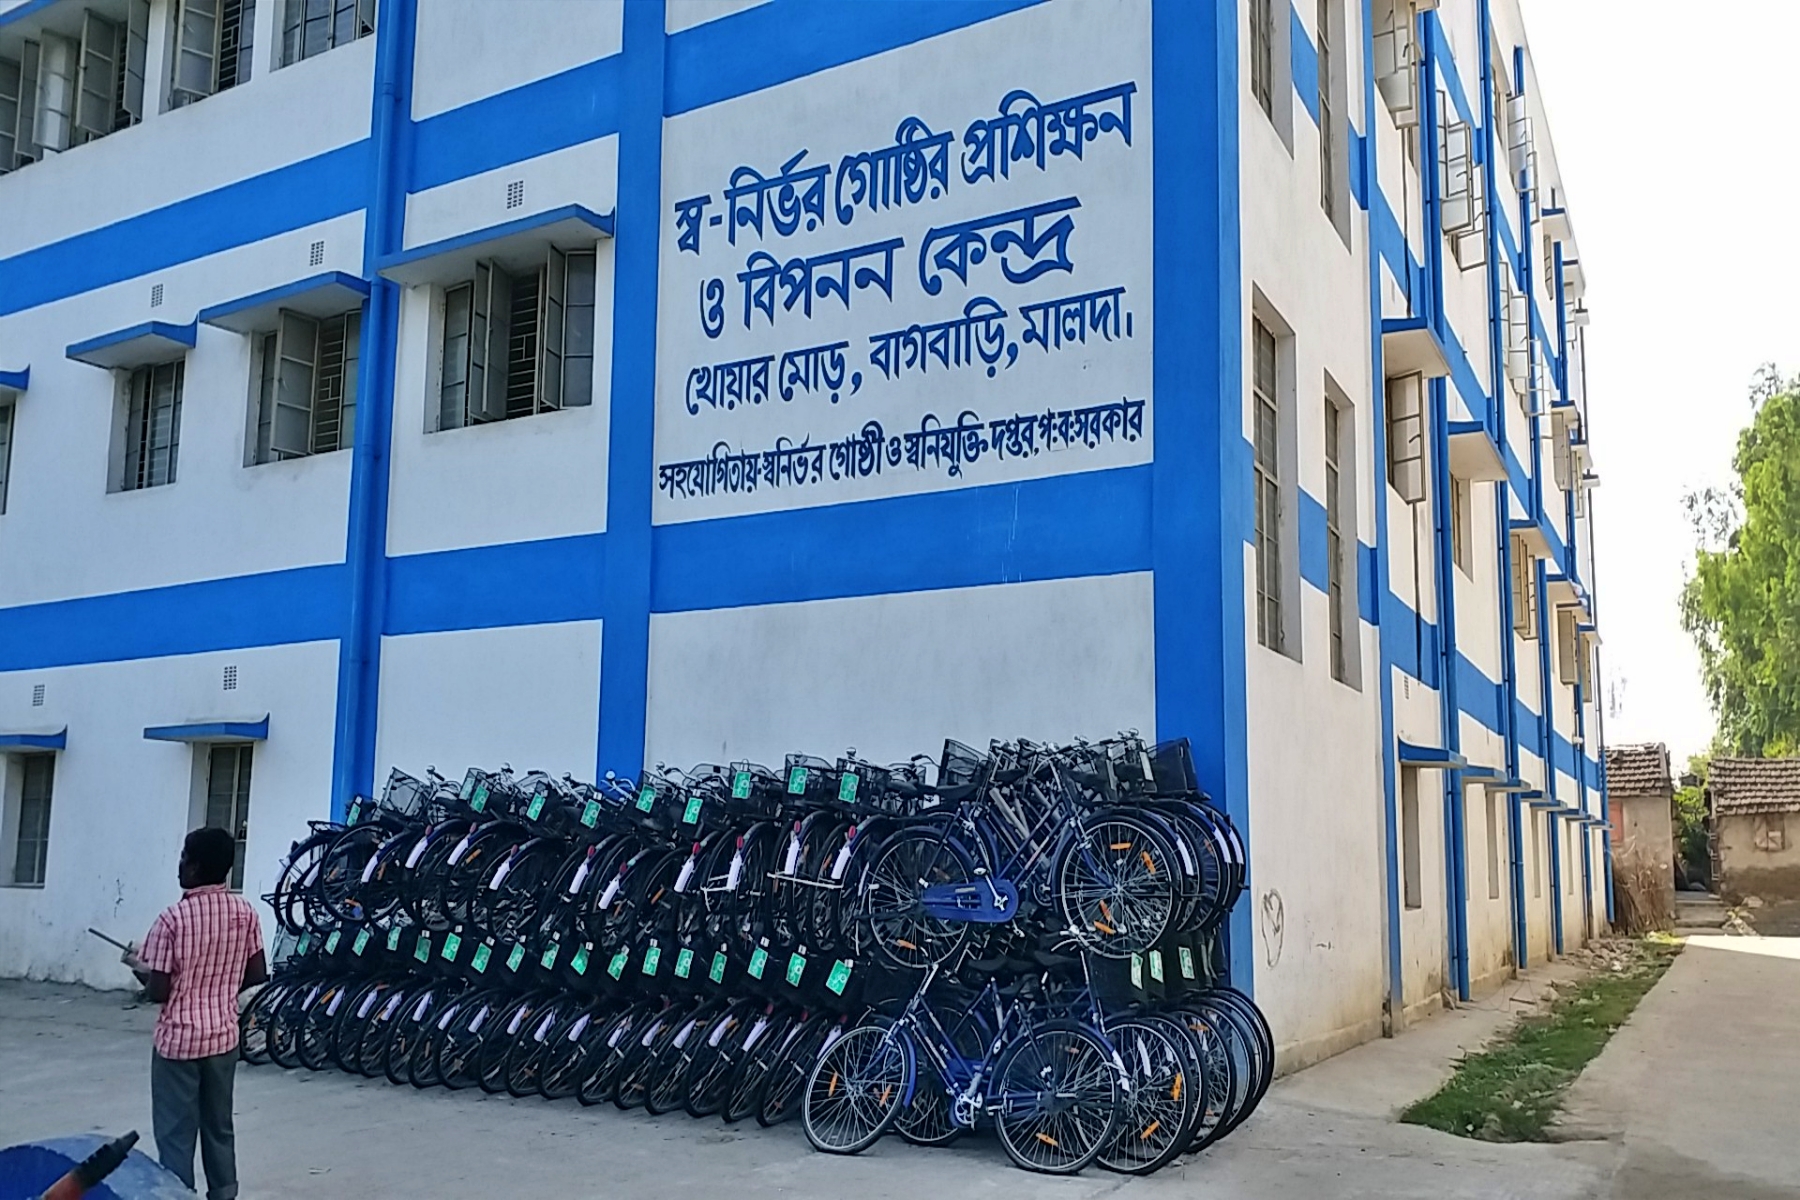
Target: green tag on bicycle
{"x":847,"y":787}
{"x":516,"y":957}
{"x":393,"y":942}
{"x":482,"y":953}
{"x":759,"y":961}
{"x":652,"y":958}
{"x":579,"y":960}
{"x":797,"y":781}
{"x":331,"y":943}
{"x":839,"y":978}
{"x":362,"y":941}
{"x":684,"y":964}
{"x":1156,"y":965}
{"x":422,"y":951}
{"x":535,"y":807}
{"x":1187,"y":963}
{"x":717,"y":972}
{"x":548,"y":961}
{"x":355,"y":812}
{"x":304,"y":942}
{"x":647,"y":798}
{"x":468,"y":786}
{"x":740,"y":786}
{"x":1137,"y":971}
{"x":590,"y":815}
{"x":452,"y":943}
{"x":796,"y":968}
{"x":693,"y":810}
{"x":479,"y":800}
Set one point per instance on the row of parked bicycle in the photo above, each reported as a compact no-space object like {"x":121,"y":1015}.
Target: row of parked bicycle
{"x":1021,"y":939}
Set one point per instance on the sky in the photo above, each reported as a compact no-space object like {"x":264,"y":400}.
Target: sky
{"x":1676,"y":133}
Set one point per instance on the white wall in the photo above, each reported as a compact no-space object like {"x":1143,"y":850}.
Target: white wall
{"x":528,"y":695}
{"x":121,"y":804}
{"x":895,"y":675}
{"x":467,"y":50}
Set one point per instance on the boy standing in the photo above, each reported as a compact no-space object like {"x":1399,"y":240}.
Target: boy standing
{"x":201,"y":952}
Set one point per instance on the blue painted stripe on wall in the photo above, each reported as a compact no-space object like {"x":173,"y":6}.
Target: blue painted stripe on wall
{"x":1315,"y":557}
{"x":517,"y":583}
{"x":1303,"y":62}
{"x":275,"y":608}
{"x":554,"y":113}
{"x":773,"y":43}
{"x":290,"y":197}
{"x":1094,"y":523}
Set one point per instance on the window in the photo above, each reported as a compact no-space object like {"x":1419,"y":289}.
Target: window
{"x":228,"y":799}
{"x":518,"y":344}
{"x":1267,"y":468}
{"x":1396,"y":59}
{"x":1562,"y":451}
{"x":1406,"y":436}
{"x":310,"y":27}
{"x":212,"y":47}
{"x":152,"y":426}
{"x":1493,"y":845}
{"x":1340,"y":542}
{"x":1568,"y":647}
{"x":1327,"y":120}
{"x":6,"y":428}
{"x":1524,"y":589}
{"x":1411,"y":875}
{"x":31,"y":823}
{"x":1262,"y":53}
{"x":1461,"y":526}
{"x":306,"y":386}
{"x":64,"y":90}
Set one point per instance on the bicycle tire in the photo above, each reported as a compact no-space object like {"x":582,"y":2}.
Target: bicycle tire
{"x":1157,"y":1113}
{"x":1055,"y":1097}
{"x":856,"y":1090}
{"x":782,"y":1092}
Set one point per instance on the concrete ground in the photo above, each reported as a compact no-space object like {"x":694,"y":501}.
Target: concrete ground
{"x":1701,"y":1088}
{"x":74,"y":1060}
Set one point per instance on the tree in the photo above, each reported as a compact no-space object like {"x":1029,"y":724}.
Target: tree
{"x":1741,"y":603}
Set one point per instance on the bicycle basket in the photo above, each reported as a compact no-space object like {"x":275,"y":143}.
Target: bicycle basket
{"x":960,"y":766}
{"x":404,"y":795}
{"x":1172,"y":767}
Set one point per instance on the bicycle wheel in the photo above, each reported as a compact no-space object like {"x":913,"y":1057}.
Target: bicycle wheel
{"x":254,"y":1022}
{"x":284,"y":1026}
{"x":515,"y":1023}
{"x":411,"y":1026}
{"x":925,"y":1121}
{"x":1158,"y":1112}
{"x":460,"y":1041}
{"x":600,"y":1076}
{"x":857,"y":1089}
{"x":522,"y":1070}
{"x":312,"y":1041}
{"x":781,"y":1095}
{"x":1055,"y":1097}
{"x":751,"y":1075}
{"x":560,"y":1074}
{"x":1117,"y":885}
{"x":888,"y":909}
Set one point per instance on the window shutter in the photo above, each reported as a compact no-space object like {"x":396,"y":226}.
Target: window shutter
{"x":25,"y":132}
{"x":497,"y":304}
{"x":296,"y":367}
{"x":551,"y":307}
{"x":1395,"y":56}
{"x":196,"y":49}
{"x":1521,"y":570}
{"x":1518,"y":337}
{"x":57,"y":68}
{"x":1568,"y":647}
{"x":1456,"y":168}
{"x":1518,"y":132}
{"x":9,"y":112}
{"x":1406,"y":436}
{"x":137,"y":40}
{"x":453,"y":383}
{"x":97,"y":100}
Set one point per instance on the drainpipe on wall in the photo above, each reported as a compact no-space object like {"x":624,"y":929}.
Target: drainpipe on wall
{"x":365,"y":552}
{"x":1509,"y":664}
{"x":1443,"y":554}
{"x":1394,"y":1005}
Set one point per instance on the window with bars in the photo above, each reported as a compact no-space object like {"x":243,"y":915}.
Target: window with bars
{"x":1334,"y":537}
{"x":1461,"y":526}
{"x":31,"y":820}
{"x":65,"y":90}
{"x":212,"y":47}
{"x":1524,"y":589}
{"x":1327,"y":120}
{"x":306,"y":386}
{"x":152,"y":426}
{"x":1262,"y":53}
{"x":228,"y":799}
{"x":1266,"y":420}
{"x":310,"y":27}
{"x":6,"y":441}
{"x":516,"y":344}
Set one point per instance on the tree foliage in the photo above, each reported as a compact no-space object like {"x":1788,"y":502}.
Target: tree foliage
{"x":1741,"y":602}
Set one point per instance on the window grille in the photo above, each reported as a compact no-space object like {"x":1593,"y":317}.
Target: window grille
{"x":1406,"y":436}
{"x":310,"y":27}
{"x":1267,"y":474}
{"x":228,"y":799}
{"x":152,"y":426}
{"x":1262,"y":53}
{"x":212,"y":47}
{"x":516,"y":344}
{"x":307,"y":386}
{"x":1334,"y":536}
{"x":1327,"y":121}
{"x":1524,"y":589}
{"x":31,"y":847}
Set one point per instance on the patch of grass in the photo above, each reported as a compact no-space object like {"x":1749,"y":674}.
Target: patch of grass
{"x":1510,"y":1092}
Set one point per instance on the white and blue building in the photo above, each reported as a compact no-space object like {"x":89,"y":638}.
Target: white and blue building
{"x":583,"y":384}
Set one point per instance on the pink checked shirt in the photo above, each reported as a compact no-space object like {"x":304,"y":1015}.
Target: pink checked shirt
{"x":202,"y":943}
